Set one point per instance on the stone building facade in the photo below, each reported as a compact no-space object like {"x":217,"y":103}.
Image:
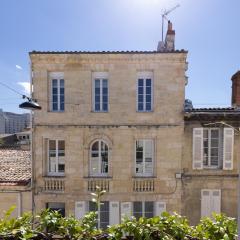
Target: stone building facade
{"x":116,"y":120}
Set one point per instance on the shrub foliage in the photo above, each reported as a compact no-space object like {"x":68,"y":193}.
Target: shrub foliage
{"x":51,"y":225}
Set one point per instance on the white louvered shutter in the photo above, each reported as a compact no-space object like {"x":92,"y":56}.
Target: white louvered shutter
{"x":228,"y":141}
{"x":160,"y":207}
{"x":80,"y":209}
{"x":126,"y":209}
{"x":114,"y":213}
{"x":197,"y":148}
{"x":216,"y":201}
{"x":206,"y":203}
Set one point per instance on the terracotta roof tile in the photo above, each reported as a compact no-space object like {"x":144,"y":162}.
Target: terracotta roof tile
{"x":15,"y":166}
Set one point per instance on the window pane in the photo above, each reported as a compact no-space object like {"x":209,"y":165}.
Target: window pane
{"x":97,"y":83}
{"x":140,"y":90}
{"x":105,"y":98}
{"x":104,"y":214}
{"x":92,"y":206}
{"x":148,"y":82}
{"x":140,"y":98}
{"x":148,"y":106}
{"x":137,"y":207}
{"x":105,"y":83}
{"x":62,"y":83}
{"x":95,"y":146}
{"x":55,"y":107}
{"x":97,"y":107}
{"x":54,"y":83}
{"x":140,"y":107}
{"x":54,"y":91}
{"x":97,"y":98}
{"x":55,"y":98}
{"x":105,"y":107}
{"x":140,"y":82}
{"x":62,"y":106}
{"x":61,"y":148}
{"x":148,"y":98}
{"x":148,"y":90}
{"x":62,"y":91}
{"x":97,"y":91}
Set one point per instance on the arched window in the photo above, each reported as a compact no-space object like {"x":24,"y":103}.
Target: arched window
{"x":99,"y":158}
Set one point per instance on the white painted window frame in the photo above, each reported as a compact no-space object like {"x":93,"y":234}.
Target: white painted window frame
{"x":56,"y":76}
{"x":99,"y":174}
{"x":57,"y":173}
{"x":143,"y":207}
{"x":144,"y":174}
{"x":144,"y":76}
{"x":99,"y":76}
{"x":209,"y":166}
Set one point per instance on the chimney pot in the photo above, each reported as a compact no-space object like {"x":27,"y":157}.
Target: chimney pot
{"x":236,"y":89}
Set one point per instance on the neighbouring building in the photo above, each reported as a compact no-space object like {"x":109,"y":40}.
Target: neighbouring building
{"x":15,"y":181}
{"x":117,"y":120}
{"x":13,"y":122}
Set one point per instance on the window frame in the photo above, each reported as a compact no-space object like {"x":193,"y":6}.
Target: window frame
{"x":100,"y":76}
{"x":143,"y":203}
{"x":59,"y":76}
{"x":101,"y":212}
{"x":144,"y":174}
{"x":144,"y":76}
{"x":99,"y":174}
{"x":57,"y":173}
{"x":209,"y":166}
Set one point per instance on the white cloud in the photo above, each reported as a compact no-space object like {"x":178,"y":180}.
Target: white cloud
{"x":18,"y":67}
{"x":26,"y":86}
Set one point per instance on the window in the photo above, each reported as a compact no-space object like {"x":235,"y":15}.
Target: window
{"x":54,"y":206}
{"x":100,"y":92}
{"x":143,"y":209}
{"x":57,"y":92}
{"x":210,"y":202}
{"x":99,"y":158}
{"x":213,"y":148}
{"x":144,"y":157}
{"x":56,"y":157}
{"x":103,"y":213}
{"x":144,"y":92}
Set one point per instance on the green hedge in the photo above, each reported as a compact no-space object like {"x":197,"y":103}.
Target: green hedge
{"x":50,"y":225}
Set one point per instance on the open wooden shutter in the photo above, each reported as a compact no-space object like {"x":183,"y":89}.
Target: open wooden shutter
{"x":126,"y":209}
{"x":197,"y":148}
{"x":228,"y":141}
{"x":80,"y":209}
{"x":160,"y":207}
{"x":216,"y":201}
{"x":206,"y":203}
{"x":114,"y":213}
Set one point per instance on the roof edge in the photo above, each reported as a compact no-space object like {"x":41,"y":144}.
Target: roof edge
{"x":106,"y":52}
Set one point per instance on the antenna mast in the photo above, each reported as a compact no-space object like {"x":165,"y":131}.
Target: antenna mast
{"x":164,"y":16}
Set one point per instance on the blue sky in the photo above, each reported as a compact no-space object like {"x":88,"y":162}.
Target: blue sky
{"x":208,"y":29}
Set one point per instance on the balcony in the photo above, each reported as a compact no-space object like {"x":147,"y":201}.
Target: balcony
{"x":54,"y":184}
{"x":143,"y":185}
{"x":92,"y":184}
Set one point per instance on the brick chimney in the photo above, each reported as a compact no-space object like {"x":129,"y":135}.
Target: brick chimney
{"x":169,"y":44}
{"x":170,"y":38}
{"x":236,"y":89}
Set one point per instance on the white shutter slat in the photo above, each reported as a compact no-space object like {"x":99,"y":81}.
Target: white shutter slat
{"x":160,"y":207}
{"x":228,"y":142}
{"x":80,"y":209}
{"x":114,"y":213}
{"x":205,"y":203}
{"x":197,"y":148}
{"x":216,"y":201}
{"x":126,"y":209}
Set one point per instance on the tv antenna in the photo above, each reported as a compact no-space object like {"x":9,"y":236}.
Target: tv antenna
{"x":164,"y":16}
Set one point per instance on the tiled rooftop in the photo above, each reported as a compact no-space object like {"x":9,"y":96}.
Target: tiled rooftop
{"x":222,"y":109}
{"x":106,"y":52}
{"x":15,"y":167}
